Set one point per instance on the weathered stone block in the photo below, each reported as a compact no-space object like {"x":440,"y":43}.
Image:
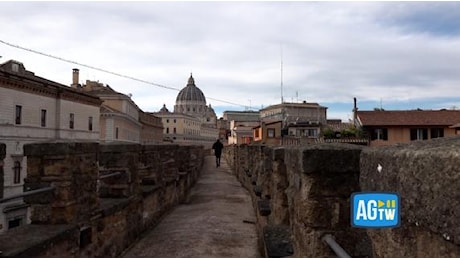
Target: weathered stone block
{"x":64,"y":148}
{"x":427,"y":176}
{"x":330,"y":158}
{"x":277,"y":241}
{"x":264,"y":207}
{"x":258,"y":191}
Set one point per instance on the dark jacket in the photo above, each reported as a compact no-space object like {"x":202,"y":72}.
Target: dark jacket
{"x":217,"y":146}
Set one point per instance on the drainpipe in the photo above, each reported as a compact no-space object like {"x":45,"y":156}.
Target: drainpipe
{"x":338,"y":250}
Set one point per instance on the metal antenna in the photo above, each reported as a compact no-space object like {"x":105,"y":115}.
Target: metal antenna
{"x":281,"y":47}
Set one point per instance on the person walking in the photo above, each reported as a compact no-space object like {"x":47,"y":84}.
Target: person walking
{"x":217,"y":147}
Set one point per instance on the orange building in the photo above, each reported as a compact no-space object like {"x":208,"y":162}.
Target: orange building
{"x":391,"y":127}
{"x":268,"y":133}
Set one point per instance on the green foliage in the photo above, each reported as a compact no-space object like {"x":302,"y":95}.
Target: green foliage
{"x":328,"y":133}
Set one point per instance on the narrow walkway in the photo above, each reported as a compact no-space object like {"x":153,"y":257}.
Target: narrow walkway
{"x":213,"y":223}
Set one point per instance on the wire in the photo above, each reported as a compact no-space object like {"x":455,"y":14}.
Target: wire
{"x":104,"y":70}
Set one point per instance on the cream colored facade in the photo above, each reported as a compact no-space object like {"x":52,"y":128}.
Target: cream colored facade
{"x":33,"y":109}
{"x":186,"y":129}
{"x":192,"y":122}
{"x":119,"y":114}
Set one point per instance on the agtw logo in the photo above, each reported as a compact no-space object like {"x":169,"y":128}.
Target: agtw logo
{"x":375,"y":210}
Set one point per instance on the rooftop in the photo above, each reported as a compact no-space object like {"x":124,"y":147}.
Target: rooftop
{"x":409,"y":117}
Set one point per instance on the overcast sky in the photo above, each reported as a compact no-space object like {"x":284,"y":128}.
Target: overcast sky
{"x":398,"y":55}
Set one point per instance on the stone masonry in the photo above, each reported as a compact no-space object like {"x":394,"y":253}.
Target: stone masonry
{"x":427,"y":177}
{"x":105,"y":196}
{"x":303,"y":193}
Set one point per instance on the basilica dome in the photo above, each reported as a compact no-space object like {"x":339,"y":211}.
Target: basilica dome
{"x":191,"y":101}
{"x":191,"y":93}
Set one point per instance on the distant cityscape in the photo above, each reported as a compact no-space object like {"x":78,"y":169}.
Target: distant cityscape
{"x":35,"y":109}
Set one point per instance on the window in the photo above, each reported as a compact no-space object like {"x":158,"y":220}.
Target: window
{"x":15,"y":222}
{"x":167,"y":120}
{"x":15,"y":67}
{"x":437,"y":132}
{"x":90,"y":123}
{"x":17,"y":172}
{"x":271,"y":132}
{"x":418,"y":134}
{"x":174,"y":130}
{"x":18,"y":114}
{"x":71,"y":120}
{"x":116,"y":133}
{"x":174,"y":120}
{"x":380,"y":134}
{"x":312,"y":132}
{"x":167,"y":130}
{"x":43,"y":118}
{"x":256,"y":133}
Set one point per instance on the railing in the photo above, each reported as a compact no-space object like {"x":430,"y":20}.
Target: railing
{"x":27,"y":193}
{"x":338,"y":250}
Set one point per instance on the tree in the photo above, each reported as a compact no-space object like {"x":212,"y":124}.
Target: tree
{"x":328,"y":133}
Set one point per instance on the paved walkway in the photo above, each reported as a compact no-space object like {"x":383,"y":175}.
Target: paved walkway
{"x":213,"y":223}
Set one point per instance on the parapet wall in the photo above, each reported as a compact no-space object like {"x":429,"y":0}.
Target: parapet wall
{"x":105,"y":196}
{"x":427,"y":177}
{"x":304,"y":193}
{"x":300,"y":194}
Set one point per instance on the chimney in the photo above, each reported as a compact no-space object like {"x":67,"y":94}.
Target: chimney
{"x":355,"y":111}
{"x":75,"y":79}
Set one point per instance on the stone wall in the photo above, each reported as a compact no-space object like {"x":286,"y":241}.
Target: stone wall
{"x":302,"y":193}
{"x":105,"y":196}
{"x":427,"y":177}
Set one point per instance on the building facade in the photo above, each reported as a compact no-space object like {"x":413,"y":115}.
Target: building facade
{"x":298,"y":119}
{"x":237,"y":126}
{"x":119,"y":114}
{"x":392,"y":127}
{"x":121,"y":120}
{"x":268,"y":133}
{"x":34,"y":109}
{"x":192,"y":122}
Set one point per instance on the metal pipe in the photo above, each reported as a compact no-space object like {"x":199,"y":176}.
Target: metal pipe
{"x":27,"y":193}
{"x":109,"y":175}
{"x":338,"y":250}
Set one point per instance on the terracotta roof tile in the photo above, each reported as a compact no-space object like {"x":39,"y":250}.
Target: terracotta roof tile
{"x":409,"y":117}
